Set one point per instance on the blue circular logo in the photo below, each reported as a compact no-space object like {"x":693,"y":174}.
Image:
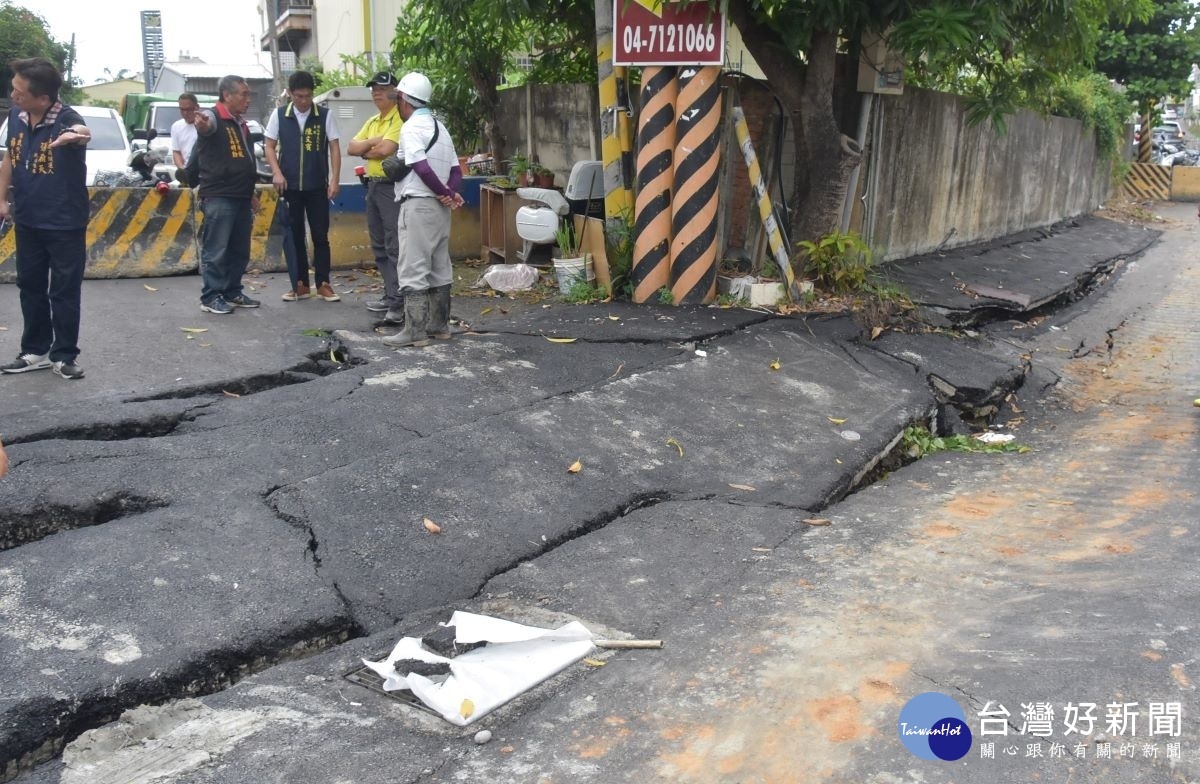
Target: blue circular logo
{"x":932,"y":726}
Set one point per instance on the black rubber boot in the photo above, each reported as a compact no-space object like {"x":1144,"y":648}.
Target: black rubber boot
{"x":416,"y":321}
{"x":439,"y":312}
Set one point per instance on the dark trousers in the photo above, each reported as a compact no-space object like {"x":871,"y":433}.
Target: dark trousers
{"x":312,"y":206}
{"x":224,"y":246}
{"x":383,"y":217}
{"x":50,"y":278}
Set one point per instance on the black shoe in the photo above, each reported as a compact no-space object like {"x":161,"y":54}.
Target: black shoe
{"x":217,"y":305}
{"x":68,"y":370}
{"x":242,"y":301}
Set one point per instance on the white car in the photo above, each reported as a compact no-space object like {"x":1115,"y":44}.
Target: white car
{"x":109,"y":148}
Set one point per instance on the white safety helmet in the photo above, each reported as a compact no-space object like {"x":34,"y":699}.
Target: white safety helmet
{"x":416,"y":85}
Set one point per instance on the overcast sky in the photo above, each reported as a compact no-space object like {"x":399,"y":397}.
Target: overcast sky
{"x":108,"y":32}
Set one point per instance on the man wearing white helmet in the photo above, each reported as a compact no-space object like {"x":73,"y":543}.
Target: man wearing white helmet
{"x":426,"y":195}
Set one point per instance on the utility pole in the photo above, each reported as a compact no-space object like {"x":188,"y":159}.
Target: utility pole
{"x":276,"y":71}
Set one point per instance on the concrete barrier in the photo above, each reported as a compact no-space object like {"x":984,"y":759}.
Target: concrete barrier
{"x":141,"y":233}
{"x":1185,"y":183}
{"x":1149,"y":181}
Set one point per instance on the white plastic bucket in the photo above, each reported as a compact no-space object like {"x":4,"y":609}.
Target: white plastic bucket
{"x":572,"y":271}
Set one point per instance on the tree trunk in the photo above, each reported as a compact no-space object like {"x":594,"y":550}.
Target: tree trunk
{"x":823,"y":159}
{"x":489,"y":99}
{"x":824,"y":156}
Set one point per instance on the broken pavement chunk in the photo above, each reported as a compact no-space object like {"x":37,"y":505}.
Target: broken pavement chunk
{"x":442,"y":643}
{"x":416,"y":666}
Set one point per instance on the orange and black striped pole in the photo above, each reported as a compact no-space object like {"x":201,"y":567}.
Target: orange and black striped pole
{"x":694,"y":198}
{"x":651,"y":270}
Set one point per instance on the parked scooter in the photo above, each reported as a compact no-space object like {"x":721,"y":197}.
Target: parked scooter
{"x":140,"y":174}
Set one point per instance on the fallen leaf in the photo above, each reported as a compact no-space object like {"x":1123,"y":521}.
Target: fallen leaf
{"x":485,"y":311}
{"x":506,"y":749}
{"x":836,"y":421}
{"x":561,"y":340}
{"x":838,"y":460}
{"x":594,"y":662}
{"x":816,"y":521}
{"x":575,"y":468}
{"x":876,"y":332}
{"x":747,"y":488}
{"x":466,"y":709}
{"x":190,"y":337}
{"x":1060,"y":503}
{"x":761,"y":549}
{"x":148,"y":288}
{"x":227,"y":393}
{"x":194,"y":329}
{"x":618,"y":370}
{"x":676,"y":444}
{"x":775,"y":365}
{"x":614,"y":318}
{"x":431,"y":526}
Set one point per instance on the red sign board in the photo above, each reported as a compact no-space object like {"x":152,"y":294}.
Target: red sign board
{"x":661,"y":32}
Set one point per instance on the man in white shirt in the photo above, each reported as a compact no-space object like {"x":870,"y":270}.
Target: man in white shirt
{"x":305,"y":154}
{"x":426,"y":194}
{"x":183,"y":132}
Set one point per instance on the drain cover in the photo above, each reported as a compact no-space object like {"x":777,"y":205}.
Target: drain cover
{"x":367,"y":678}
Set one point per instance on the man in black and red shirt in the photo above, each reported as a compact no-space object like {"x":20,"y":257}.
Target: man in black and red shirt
{"x":223,"y":159}
{"x":46,"y":168}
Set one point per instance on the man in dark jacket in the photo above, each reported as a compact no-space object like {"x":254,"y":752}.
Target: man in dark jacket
{"x":46,"y":168}
{"x":304,"y":150}
{"x":224,"y":158}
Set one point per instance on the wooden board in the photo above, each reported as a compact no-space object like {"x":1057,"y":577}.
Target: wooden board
{"x":591,"y":233}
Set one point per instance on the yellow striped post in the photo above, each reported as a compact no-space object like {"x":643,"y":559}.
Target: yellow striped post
{"x":763,"y":197}
{"x":1145,"y":144}
{"x":652,"y":216}
{"x":615,"y":128}
{"x":694,"y":200}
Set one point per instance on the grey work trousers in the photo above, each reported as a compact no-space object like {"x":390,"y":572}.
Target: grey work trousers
{"x":424,"y":240}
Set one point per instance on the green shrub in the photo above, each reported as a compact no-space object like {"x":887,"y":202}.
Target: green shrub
{"x":841,"y":262}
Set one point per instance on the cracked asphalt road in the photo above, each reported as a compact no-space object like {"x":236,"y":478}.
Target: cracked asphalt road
{"x":199,"y":537}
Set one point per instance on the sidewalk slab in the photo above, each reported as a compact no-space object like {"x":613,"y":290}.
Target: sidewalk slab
{"x":1018,"y":273}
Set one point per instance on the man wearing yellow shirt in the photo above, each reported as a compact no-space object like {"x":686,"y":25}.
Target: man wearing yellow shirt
{"x":379,"y":139}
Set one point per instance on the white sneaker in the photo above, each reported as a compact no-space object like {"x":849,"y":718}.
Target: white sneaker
{"x":27,"y":362}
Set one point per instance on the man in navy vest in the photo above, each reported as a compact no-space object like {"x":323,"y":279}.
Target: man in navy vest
{"x":226,"y":175}
{"x":46,"y":168}
{"x":305,"y":154}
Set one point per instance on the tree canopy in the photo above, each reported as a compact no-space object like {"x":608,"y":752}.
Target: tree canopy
{"x":992,"y":51}
{"x":1153,"y":57}
{"x":25,"y":34}
{"x":468,"y":49}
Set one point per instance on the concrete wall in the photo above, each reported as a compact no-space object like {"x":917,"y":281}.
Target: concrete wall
{"x":565,"y":125}
{"x":931,"y":180}
{"x":935,"y":181}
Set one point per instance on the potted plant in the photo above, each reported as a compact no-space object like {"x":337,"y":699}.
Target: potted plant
{"x":543,"y":177}
{"x":571,"y":264}
{"x":518,"y":169}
